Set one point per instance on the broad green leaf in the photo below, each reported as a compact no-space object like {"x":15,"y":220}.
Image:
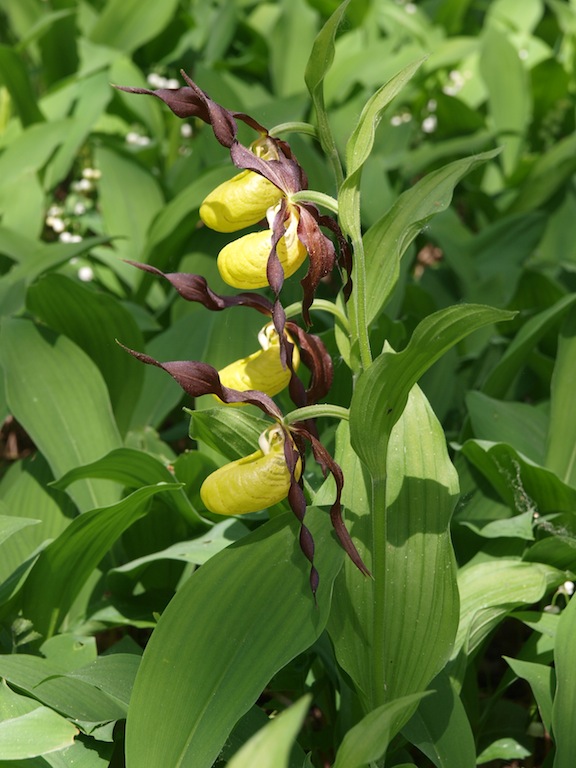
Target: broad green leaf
{"x":540,"y":678}
{"x":28,"y":729}
{"x":523,"y":485}
{"x":388,"y":239}
{"x":368,"y":740}
{"x":85,"y":752}
{"x":11,"y":525}
{"x":383,"y":389}
{"x":14,"y":76}
{"x":31,"y":150}
{"x":197,"y":551}
{"x":490,"y":590}
{"x":67,"y":562}
{"x":32,"y":262}
{"x":440,"y":727}
{"x":93,"y":321}
{"x":113,"y":674}
{"x":550,"y":172}
{"x":93,"y":98}
{"x":233,"y":432}
{"x":24,"y":489}
{"x":130,"y":197}
{"x":292,"y":36}
{"x":58,"y":395}
{"x":561,"y":446}
{"x":509,"y":99}
{"x":48,"y":683}
{"x":116,"y":27}
{"x":563,"y":732}
{"x":270,"y":747}
{"x":133,"y":469}
{"x":209,"y":658}
{"x":510,"y":365}
{"x":521,"y":425}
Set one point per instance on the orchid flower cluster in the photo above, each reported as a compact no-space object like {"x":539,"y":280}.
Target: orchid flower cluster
{"x":270,"y":176}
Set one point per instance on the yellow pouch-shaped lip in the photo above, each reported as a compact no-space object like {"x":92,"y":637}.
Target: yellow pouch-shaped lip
{"x":240,"y":202}
{"x":261,"y":370}
{"x":242,"y":263}
{"x":251,"y":483}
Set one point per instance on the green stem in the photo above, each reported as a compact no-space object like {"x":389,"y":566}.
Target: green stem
{"x":294,"y":127}
{"x":358,"y":310}
{"x":311,"y":196}
{"x":314,"y":411}
{"x":321,"y":305}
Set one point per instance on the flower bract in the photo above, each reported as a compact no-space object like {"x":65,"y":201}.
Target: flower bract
{"x":261,"y":370}
{"x":253,"y":482}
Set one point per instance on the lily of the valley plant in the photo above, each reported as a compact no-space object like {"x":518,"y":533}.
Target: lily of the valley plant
{"x":270,"y":176}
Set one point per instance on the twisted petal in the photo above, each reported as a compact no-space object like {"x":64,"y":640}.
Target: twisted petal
{"x":263,"y":370}
{"x":253,"y":482}
{"x":240,"y":202}
{"x":243,"y":263}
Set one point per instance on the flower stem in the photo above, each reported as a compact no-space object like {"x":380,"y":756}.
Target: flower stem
{"x":294,"y":127}
{"x":314,"y":411}
{"x":311,"y":196}
{"x":321,"y":305}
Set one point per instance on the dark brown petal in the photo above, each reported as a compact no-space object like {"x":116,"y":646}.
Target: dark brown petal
{"x":344,"y":252}
{"x":328,"y":464}
{"x":198,"y":378}
{"x":195,"y":288}
{"x":321,"y":252}
{"x":285,"y":172}
{"x":315,"y":357}
{"x":297,"y":503}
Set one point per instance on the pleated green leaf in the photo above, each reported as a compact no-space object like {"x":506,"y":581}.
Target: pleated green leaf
{"x":320,"y":61}
{"x":270,"y":747}
{"x":394,"y":232}
{"x":58,"y":395}
{"x":368,"y":741}
{"x":62,"y":568}
{"x":563,"y":731}
{"x":134,"y":469}
{"x":237,"y":621}
{"x":395,"y":633}
{"x":382,"y":391}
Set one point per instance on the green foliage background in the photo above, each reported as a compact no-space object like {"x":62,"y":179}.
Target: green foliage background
{"x":463,"y":196}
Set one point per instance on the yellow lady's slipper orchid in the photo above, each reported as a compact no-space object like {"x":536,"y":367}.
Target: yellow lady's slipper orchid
{"x":253,"y":482}
{"x":240,"y":202}
{"x":242,"y":263}
{"x":262,"y":370}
